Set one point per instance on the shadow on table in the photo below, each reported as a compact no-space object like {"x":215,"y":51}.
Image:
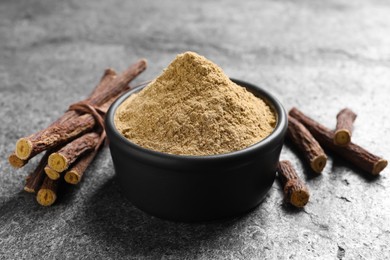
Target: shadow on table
{"x":25,"y":203}
{"x":12,"y":205}
{"x":339,"y":163}
{"x":123,"y":227}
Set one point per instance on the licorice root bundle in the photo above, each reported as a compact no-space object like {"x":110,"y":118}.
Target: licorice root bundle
{"x":73,"y":139}
{"x":72,"y":124}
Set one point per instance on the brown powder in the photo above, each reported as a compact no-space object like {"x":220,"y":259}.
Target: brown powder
{"x":193,"y":108}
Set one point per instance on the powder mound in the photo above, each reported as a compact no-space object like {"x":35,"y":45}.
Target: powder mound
{"x":193,"y":108}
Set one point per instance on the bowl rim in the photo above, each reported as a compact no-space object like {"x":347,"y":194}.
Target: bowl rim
{"x":276,"y":136}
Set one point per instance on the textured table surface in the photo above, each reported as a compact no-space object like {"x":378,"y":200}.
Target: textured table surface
{"x":317,"y":55}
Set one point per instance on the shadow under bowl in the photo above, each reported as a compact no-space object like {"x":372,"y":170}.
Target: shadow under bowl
{"x":197,"y":188}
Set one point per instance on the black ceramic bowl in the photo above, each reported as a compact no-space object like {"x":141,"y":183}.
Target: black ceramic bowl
{"x":197,"y":188}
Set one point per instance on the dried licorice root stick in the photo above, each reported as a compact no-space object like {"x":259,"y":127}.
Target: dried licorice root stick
{"x":28,"y":147}
{"x":306,"y":143}
{"x":343,"y":132}
{"x":61,"y":160}
{"x":16,"y":162}
{"x":120,"y":83}
{"x":108,"y":75}
{"x":47,"y":194}
{"x":295,"y":190}
{"x":57,"y":133}
{"x":74,"y":175}
{"x":35,"y":178}
{"x":353,"y":153}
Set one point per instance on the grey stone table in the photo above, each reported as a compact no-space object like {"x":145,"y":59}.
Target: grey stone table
{"x":317,"y":55}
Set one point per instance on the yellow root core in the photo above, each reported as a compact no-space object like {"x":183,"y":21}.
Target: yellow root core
{"x":58,"y":162}
{"x":319,"y":163}
{"x":379,"y":166}
{"x":15,"y":161}
{"x":46,"y":197}
{"x":23,"y":148}
{"x":342,"y":137}
{"x":72,"y":177}
{"x":52,"y":174}
{"x":299,"y":198}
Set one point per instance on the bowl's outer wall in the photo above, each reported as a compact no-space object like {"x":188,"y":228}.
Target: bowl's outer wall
{"x":184,"y":189}
{"x":175,"y":195}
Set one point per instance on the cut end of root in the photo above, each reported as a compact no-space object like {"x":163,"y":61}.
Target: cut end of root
{"x":144,"y":62}
{"x":109,"y":72}
{"x":16,"y":162}
{"x":379,"y":166}
{"x":72,"y":177}
{"x":319,"y":163}
{"x":46,"y":197}
{"x":23,"y":148}
{"x":28,"y":189}
{"x":58,"y":162}
{"x":52,"y":174}
{"x":342,"y":137}
{"x":299,"y":198}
